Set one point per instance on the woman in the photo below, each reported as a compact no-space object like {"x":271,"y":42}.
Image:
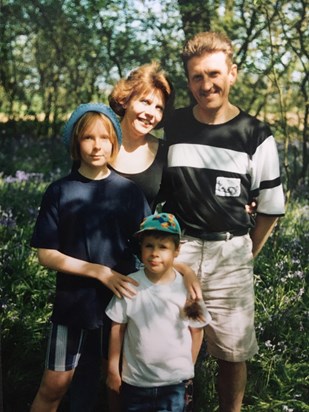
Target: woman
{"x":141,"y":100}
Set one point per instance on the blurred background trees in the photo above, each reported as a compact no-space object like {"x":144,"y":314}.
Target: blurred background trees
{"x":56,"y":54}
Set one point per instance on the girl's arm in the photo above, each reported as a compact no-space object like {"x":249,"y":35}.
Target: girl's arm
{"x":113,"y":380}
{"x":197,"y":339}
{"x":119,"y":284}
{"x":191,"y":281}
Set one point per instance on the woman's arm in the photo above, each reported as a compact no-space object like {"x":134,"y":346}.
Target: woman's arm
{"x":119,"y":284}
{"x":190,"y":279}
{"x":113,"y":380}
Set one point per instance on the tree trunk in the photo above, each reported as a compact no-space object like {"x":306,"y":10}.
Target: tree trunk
{"x":195,"y":16}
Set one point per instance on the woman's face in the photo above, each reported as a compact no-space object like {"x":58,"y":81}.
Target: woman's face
{"x":143,"y":113}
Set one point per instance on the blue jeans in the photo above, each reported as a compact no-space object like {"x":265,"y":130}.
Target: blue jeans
{"x":156,"y":399}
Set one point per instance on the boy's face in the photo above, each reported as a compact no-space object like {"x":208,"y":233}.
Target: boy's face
{"x":158,"y":254}
{"x":95,"y":146}
{"x":210,"y":79}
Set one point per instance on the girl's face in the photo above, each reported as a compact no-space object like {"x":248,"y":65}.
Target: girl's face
{"x":95,"y":146}
{"x":143,"y":113}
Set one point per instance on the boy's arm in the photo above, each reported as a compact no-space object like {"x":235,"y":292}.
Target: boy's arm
{"x":191,"y":281}
{"x":117,"y":283}
{"x":113,"y":380}
{"x":197,"y":339}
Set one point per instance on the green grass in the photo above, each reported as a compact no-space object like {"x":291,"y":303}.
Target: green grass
{"x":277,"y":376}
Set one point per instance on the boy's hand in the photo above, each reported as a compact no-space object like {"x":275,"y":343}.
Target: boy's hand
{"x":113,"y":382}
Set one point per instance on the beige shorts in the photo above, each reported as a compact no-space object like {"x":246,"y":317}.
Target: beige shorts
{"x":225,"y":270}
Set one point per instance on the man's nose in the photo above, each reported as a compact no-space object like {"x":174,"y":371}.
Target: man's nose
{"x":207,"y":83}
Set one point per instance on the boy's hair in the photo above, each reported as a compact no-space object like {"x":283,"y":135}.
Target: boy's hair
{"x":207,"y":42}
{"x":160,"y":235}
{"x":82,"y":124}
{"x":140,"y":82}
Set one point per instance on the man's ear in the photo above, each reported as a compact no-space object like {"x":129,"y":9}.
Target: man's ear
{"x":233,"y":74}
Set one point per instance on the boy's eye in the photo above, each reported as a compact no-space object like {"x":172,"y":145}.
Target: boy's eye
{"x":148,"y":245}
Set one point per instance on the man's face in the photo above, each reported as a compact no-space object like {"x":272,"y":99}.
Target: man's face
{"x":210,"y":79}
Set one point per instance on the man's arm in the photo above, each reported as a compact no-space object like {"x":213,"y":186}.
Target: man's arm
{"x":113,"y":380}
{"x":197,"y":339}
{"x":117,"y":283}
{"x":264,"y":225}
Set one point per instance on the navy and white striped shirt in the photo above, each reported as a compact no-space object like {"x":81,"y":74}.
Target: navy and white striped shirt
{"x":215,"y":170}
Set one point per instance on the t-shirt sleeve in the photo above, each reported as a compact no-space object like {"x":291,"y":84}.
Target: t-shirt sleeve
{"x":116,"y":310}
{"x":266,"y":184}
{"x":45,"y":234}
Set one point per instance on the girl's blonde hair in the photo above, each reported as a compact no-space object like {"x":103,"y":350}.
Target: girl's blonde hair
{"x":79,"y":129}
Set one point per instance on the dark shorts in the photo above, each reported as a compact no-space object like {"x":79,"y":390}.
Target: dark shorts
{"x":65,"y":346}
{"x":156,"y":399}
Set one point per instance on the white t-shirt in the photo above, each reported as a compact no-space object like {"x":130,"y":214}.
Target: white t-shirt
{"x":157,"y":342}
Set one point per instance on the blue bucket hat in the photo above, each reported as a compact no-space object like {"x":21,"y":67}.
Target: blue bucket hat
{"x":162,"y":222}
{"x":90,"y":107}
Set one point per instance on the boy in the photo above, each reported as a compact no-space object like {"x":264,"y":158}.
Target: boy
{"x":159,"y":346}
{"x":82,"y":232}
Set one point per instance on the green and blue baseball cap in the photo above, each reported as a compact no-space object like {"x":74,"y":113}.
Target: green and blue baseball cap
{"x":162,"y":222}
{"x":90,"y":107}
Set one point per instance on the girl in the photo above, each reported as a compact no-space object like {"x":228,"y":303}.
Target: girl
{"x":82,"y":232}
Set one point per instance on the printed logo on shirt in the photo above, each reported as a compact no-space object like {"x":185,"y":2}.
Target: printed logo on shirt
{"x":227,"y":186}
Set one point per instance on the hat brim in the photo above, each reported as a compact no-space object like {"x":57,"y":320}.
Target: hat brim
{"x":90,"y":107}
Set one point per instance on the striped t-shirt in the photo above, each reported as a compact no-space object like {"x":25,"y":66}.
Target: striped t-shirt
{"x":215,"y":170}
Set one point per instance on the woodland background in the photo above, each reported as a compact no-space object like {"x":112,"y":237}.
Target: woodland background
{"x":57,"y":54}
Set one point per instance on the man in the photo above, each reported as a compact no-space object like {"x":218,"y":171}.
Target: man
{"x":219,"y":160}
